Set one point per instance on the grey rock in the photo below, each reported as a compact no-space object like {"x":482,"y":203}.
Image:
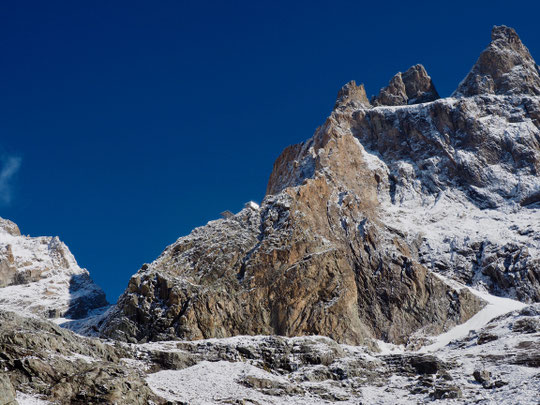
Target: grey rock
{"x":412,"y":87}
{"x":416,"y":364}
{"x":526,"y":325}
{"x":41,"y":358}
{"x":482,"y":376}
{"x":7,"y":392}
{"x":270,"y":387}
{"x":504,"y":67}
{"x":486,"y":337}
{"x":447,"y":392}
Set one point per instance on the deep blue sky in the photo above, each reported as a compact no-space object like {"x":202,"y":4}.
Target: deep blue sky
{"x":134,"y":122}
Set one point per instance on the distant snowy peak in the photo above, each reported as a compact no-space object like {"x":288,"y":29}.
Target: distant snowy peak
{"x":40,"y":276}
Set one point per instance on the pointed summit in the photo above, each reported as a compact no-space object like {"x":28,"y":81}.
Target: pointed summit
{"x":412,"y":87}
{"x":393,"y":94}
{"x":354,"y":95}
{"x":504,"y":67}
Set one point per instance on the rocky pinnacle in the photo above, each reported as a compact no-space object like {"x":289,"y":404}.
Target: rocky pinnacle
{"x":412,"y":87}
{"x":352,"y":95}
{"x":504,"y":67}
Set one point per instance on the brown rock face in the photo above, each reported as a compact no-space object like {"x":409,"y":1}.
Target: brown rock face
{"x":352,"y":95}
{"x":393,"y":94}
{"x":315,"y":259}
{"x":412,"y":87}
{"x":355,"y":225}
{"x":504,"y":67}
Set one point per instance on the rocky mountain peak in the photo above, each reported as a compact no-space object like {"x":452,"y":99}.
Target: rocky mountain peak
{"x":40,"y":276}
{"x":415,"y":223}
{"x":352,"y":95}
{"x":10,"y":227}
{"x":360,"y":221}
{"x":504,"y":67}
{"x":507,"y":34}
{"x":412,"y":87}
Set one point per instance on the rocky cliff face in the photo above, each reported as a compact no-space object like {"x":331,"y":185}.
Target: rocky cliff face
{"x":398,"y":220}
{"x":39,"y":275}
{"x":359,"y":219}
{"x":43,"y":360}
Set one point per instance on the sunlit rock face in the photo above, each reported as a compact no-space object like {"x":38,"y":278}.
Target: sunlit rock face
{"x":412,"y":87}
{"x":365,"y":224}
{"x":504,"y":67}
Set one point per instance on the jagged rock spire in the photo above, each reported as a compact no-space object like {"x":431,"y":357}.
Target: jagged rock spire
{"x":412,"y":87}
{"x":352,"y":95}
{"x":504,"y":67}
{"x":393,"y":94}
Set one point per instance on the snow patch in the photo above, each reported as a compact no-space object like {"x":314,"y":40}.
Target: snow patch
{"x":27,"y":399}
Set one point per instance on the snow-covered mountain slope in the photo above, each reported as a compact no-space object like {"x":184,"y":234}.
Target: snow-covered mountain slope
{"x":497,"y":361}
{"x":459,"y":178}
{"x":40,"y":276}
{"x":496,"y":306}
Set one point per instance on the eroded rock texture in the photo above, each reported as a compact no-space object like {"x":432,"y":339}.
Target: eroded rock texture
{"x":412,"y":87}
{"x":353,"y":96}
{"x":356,"y":221}
{"x":504,"y":67}
{"x":40,"y":358}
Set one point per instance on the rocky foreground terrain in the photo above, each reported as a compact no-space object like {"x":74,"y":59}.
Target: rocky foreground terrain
{"x":394,"y":259}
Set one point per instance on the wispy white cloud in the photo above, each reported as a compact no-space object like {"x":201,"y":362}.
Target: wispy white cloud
{"x":9,"y":167}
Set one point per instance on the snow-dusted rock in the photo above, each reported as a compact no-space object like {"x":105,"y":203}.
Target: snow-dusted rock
{"x":40,"y":276}
{"x":305,"y":370}
{"x":413,"y":230}
{"x":505,"y":67}
{"x":47,"y":363}
{"x":50,"y":365}
{"x":357,"y":219}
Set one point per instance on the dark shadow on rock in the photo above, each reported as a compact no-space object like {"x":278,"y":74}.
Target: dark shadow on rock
{"x":85,"y":296}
